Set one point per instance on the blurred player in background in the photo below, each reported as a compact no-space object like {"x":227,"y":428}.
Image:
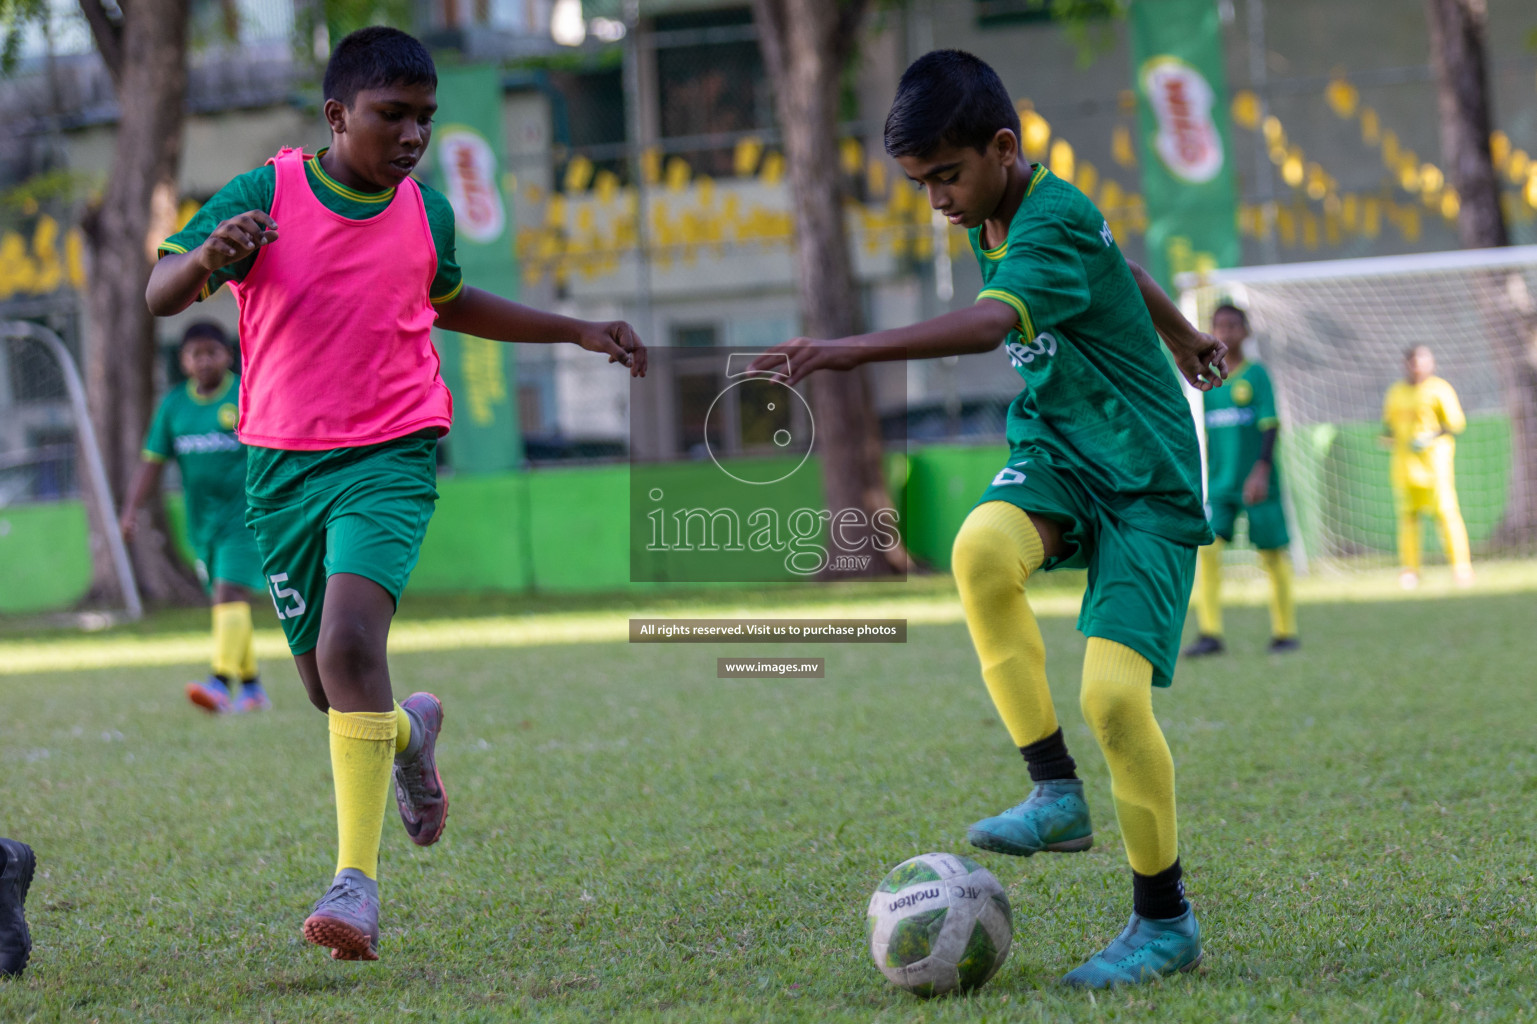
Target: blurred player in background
{"x":1243,"y":479}
{"x":17,"y":865}
{"x":195,"y":425}
{"x":342,"y":409}
{"x":1421,"y":418}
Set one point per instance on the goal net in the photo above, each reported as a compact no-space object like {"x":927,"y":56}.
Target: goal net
{"x":1334,"y":336}
{"x":50,"y":468}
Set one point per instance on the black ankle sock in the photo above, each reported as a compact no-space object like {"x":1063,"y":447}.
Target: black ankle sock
{"x":1159,"y":896}
{"x":1048,"y":759}
{"x":222,"y":678}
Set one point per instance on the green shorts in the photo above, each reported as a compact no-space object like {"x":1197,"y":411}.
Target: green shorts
{"x":1139,"y":583}
{"x":356,"y":510}
{"x":230,"y":556}
{"x":1267,"y":520}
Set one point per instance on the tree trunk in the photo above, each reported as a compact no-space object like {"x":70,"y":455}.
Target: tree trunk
{"x":135,"y":212}
{"x":806,"y":44}
{"x":1459,"y":52}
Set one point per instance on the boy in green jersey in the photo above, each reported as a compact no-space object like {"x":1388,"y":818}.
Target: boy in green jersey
{"x":1243,"y":479}
{"x":341,"y":264}
{"x":1103,"y":474}
{"x":195,"y":425}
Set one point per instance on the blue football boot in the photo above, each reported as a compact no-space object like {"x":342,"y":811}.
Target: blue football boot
{"x":211,"y":695}
{"x":1053,"y":818}
{"x":1149,"y":948}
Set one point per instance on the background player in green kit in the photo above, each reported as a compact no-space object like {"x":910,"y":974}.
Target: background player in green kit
{"x":1103,"y":474}
{"x":1242,"y":479}
{"x":195,"y":425}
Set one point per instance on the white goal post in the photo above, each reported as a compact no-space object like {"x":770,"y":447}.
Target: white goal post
{"x":27,"y":352}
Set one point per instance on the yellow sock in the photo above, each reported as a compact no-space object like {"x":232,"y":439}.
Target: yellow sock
{"x":1409,"y":541}
{"x":995,"y":552}
{"x":1208,"y":594}
{"x":362,"y":760}
{"x":1117,"y":701}
{"x":231,"y":639}
{"x":1283,"y":607}
{"x":402,"y":728}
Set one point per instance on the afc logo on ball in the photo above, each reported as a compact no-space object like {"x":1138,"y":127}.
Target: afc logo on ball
{"x":1021,"y":354}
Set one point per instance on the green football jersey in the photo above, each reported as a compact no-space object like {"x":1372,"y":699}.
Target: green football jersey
{"x":1237,"y":416}
{"x":254,"y":190}
{"x":198,"y":431}
{"x":1099,"y":393}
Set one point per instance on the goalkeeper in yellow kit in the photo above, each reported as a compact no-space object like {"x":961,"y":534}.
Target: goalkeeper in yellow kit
{"x":1421,"y":418}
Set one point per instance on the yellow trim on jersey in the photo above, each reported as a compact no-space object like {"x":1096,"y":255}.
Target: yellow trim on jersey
{"x":170,"y":246}
{"x":1268,"y":422}
{"x":440,"y":299}
{"x":1003,"y":250}
{"x":343,"y":190}
{"x":149,"y":456}
{"x":1026,"y":328}
{"x":223,"y":389}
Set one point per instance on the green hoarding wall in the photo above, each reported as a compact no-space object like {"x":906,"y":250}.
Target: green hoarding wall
{"x":565,"y":530}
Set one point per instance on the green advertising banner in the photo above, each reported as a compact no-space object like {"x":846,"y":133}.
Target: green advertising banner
{"x":1187,"y":167}
{"x":467,"y":159}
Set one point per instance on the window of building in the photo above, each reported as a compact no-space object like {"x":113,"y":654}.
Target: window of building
{"x":710,"y":81}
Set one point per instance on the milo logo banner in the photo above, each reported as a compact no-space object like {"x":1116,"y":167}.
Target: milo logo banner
{"x":467,"y":161}
{"x":1187,"y":166}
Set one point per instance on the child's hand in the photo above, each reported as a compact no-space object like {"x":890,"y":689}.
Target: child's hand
{"x":806,"y":356}
{"x":129,"y":526}
{"x":235,"y":239}
{"x":1201,"y":358}
{"x":1256,"y":486}
{"x":617,"y":340}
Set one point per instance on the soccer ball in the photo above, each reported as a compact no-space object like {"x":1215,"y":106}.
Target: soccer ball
{"x":939,"y":923}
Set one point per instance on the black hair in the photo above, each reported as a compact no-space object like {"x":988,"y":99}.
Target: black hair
{"x":374,"y":57}
{"x":948,"y":98}
{"x":1228,"y":307}
{"x":205,"y":329}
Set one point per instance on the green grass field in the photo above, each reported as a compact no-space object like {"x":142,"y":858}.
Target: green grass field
{"x":634,"y":839}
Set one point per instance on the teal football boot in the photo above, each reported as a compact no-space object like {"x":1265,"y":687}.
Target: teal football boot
{"x":1054,"y":818}
{"x":1147,"y":949}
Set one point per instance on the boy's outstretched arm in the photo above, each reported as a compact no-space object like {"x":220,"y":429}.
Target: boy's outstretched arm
{"x":979,"y":328}
{"x":1200,"y":357}
{"x":178,"y":277}
{"x":484,"y":315}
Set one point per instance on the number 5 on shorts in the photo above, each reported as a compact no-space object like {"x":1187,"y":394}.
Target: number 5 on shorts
{"x":280,"y":592}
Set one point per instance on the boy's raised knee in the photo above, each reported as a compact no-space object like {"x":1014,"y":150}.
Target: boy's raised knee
{"x":995,"y":552}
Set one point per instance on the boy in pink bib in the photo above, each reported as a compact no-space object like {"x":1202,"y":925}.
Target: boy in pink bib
{"x":341,"y":405}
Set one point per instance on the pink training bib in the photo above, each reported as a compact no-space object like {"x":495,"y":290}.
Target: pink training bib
{"x":336,"y":326}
